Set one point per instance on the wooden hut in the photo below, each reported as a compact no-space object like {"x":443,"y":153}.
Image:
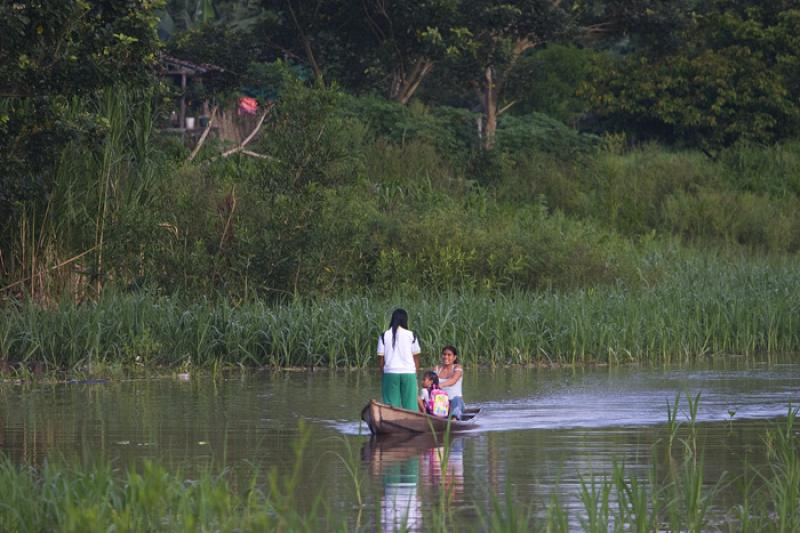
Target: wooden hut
{"x":184,"y":73}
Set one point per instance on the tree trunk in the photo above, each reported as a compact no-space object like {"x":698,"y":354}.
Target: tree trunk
{"x":489,"y":104}
{"x":491,"y":87}
{"x":404,"y":85}
{"x":312,"y":60}
{"x":307,"y":48}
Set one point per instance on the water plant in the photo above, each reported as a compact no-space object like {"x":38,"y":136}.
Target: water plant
{"x":673,"y":424}
{"x":508,"y":516}
{"x":349,"y":461}
{"x":594,"y":494}
{"x":690,"y":443}
{"x":703,"y":310}
{"x":783,"y":479}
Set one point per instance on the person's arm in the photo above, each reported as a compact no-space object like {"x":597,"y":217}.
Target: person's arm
{"x":457,"y":372}
{"x":380,"y":356}
{"x":415,"y":350}
{"x":422,"y":400}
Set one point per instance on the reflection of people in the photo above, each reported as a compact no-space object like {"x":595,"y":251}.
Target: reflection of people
{"x":445,"y":467}
{"x":401,"y":507}
{"x":398,"y":359}
{"x":408,"y":465}
{"x":450,"y":377}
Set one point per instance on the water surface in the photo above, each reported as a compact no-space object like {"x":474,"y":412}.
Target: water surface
{"x":541,"y":430}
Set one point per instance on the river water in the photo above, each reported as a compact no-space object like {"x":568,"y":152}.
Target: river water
{"x":541,"y":431}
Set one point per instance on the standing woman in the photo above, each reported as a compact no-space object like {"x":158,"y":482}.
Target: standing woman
{"x":398,"y":359}
{"x":450,"y":377}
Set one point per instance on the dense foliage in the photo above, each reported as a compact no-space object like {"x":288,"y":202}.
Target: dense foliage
{"x":733,"y":77}
{"x":489,"y":145}
{"x":56,"y":58}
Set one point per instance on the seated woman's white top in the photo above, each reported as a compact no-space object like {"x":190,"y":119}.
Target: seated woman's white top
{"x":454,"y":390}
{"x":398,"y":356}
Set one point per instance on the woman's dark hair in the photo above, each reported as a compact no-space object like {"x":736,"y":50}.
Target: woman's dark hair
{"x":399,"y":318}
{"x":434,"y":377}
{"x":452,"y":349}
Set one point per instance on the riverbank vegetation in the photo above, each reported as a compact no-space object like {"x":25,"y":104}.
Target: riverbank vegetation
{"x":96,"y":496}
{"x":683,"y":309}
{"x":578,"y":214}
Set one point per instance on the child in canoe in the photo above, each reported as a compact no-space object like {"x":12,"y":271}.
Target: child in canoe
{"x":432,"y":400}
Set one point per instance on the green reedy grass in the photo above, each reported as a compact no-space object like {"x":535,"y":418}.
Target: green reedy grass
{"x":508,"y":516}
{"x":783,"y":481}
{"x":703,"y":309}
{"x":594,"y":494}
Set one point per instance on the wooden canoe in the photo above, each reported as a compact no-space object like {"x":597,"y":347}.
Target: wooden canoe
{"x":383,"y":419}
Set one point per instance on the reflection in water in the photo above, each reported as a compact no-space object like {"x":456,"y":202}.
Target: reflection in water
{"x":443,"y":468}
{"x":540,"y":431}
{"x":411,"y":467}
{"x":401,"y":507}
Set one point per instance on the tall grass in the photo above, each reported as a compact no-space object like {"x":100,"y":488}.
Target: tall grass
{"x":102,"y":185}
{"x":683,"y":500}
{"x":702,"y":310}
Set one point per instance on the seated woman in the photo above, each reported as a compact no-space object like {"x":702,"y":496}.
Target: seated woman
{"x":450,"y":377}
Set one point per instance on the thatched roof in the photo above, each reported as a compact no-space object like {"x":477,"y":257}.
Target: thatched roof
{"x":174,"y":65}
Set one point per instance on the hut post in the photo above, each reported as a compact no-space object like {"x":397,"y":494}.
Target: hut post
{"x":182,"y":123}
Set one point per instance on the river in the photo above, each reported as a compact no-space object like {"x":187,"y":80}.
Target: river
{"x":541,"y":431}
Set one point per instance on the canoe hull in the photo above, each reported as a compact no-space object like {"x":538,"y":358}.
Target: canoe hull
{"x":383,"y":419}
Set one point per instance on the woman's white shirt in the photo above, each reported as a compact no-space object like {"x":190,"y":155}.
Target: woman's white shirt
{"x":454,"y":390}
{"x":398,"y":357}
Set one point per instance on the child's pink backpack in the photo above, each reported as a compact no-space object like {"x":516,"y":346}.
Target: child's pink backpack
{"x":439,"y":403}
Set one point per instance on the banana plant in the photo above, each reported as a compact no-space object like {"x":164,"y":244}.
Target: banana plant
{"x":184,"y":15}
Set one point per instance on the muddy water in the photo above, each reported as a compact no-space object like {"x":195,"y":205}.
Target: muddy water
{"x":540,"y":431}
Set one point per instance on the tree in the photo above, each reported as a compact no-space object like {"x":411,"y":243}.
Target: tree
{"x":306,"y":31}
{"x":57,"y":47}
{"x":499,"y":33}
{"x":733,"y":78}
{"x":548,"y":80}
{"x":362,"y":44}
{"x":406,"y":39}
{"x":55,"y":56}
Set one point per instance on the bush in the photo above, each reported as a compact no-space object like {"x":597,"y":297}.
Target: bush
{"x":756,"y":221}
{"x":309,"y":142}
{"x":458,"y":246}
{"x":548,"y":179}
{"x":521,"y":135}
{"x":773,"y":170}
{"x":450,"y":130}
{"x":548,"y":80}
{"x":630,"y":190}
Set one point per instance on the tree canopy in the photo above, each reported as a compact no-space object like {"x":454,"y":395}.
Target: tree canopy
{"x":733,"y":77}
{"x":55,"y":56}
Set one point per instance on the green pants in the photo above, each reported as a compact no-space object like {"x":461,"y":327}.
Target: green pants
{"x":400,"y":390}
